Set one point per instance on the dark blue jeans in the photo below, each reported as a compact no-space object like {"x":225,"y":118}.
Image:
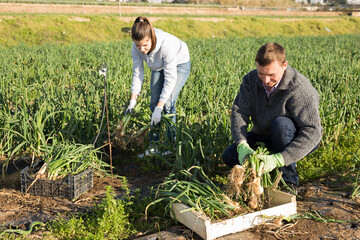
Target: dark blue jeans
{"x":282,"y":131}
{"x":156,"y":86}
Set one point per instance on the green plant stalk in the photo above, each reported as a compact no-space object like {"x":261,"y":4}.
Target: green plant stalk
{"x":205,"y":197}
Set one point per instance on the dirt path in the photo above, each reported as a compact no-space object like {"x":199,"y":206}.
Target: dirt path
{"x":146,"y":10}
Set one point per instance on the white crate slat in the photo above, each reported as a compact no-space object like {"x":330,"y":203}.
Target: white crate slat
{"x":281,"y":204}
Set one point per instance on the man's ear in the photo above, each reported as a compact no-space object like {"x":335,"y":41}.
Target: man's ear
{"x":285,"y":65}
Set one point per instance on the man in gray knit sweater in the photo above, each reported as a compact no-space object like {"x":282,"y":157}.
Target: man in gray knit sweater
{"x":284,"y":109}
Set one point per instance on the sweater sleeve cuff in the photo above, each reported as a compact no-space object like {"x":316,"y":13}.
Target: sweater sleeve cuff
{"x":240,"y":141}
{"x":287,"y":159}
{"x":162,"y":99}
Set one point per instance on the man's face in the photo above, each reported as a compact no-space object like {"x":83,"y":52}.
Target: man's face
{"x":271,"y":74}
{"x":143,"y":45}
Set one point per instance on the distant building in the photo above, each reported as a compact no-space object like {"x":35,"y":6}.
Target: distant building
{"x":317,"y":1}
{"x":181,"y":1}
{"x":353,"y":2}
{"x":159,"y":1}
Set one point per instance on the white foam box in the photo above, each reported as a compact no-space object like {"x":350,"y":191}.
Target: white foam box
{"x":280,"y":204}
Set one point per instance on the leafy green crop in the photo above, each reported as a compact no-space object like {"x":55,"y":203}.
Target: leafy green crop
{"x":109,"y":219}
{"x":55,"y":92}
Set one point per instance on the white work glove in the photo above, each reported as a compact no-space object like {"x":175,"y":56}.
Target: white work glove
{"x":156,"y":116}
{"x":131,"y":106}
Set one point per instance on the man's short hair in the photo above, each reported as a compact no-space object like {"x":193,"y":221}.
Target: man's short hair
{"x":270,"y":53}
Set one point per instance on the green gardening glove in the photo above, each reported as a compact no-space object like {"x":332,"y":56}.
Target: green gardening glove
{"x":272,"y":161}
{"x":243,"y":150}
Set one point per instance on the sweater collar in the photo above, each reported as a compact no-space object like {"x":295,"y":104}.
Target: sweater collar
{"x":285,"y":82}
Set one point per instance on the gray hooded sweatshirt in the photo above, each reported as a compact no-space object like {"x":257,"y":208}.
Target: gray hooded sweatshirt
{"x":167,"y":54}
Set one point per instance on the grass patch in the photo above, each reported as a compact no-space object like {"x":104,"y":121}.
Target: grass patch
{"x":113,"y":218}
{"x":331,"y":159}
{"x":66,"y":29}
{"x":109,"y":218}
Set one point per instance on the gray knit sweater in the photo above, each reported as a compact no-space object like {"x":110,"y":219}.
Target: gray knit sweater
{"x":295,"y":98}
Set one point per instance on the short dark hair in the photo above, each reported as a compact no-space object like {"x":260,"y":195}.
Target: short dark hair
{"x":269,"y":53}
{"x":143,"y":28}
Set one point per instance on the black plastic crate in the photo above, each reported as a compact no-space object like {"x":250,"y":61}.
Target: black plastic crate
{"x":71,"y":187}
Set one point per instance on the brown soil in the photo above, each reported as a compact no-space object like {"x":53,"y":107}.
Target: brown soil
{"x":18,"y":209}
{"x":329,"y":197}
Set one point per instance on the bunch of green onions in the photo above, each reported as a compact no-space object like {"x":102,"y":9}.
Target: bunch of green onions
{"x":247,"y":182}
{"x":133,"y":128}
{"x":198,"y":192}
{"x":66,"y":158}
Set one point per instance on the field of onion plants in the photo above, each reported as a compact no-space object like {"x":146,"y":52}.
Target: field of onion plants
{"x":53,"y":94}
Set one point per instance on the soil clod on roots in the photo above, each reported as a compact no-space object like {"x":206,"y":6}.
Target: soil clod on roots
{"x":236,"y":179}
{"x":245,"y":186}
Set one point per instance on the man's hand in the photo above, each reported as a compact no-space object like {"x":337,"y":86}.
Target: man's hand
{"x":243,"y":150}
{"x":156,"y":116}
{"x":272,"y":161}
{"x":131,"y":106}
